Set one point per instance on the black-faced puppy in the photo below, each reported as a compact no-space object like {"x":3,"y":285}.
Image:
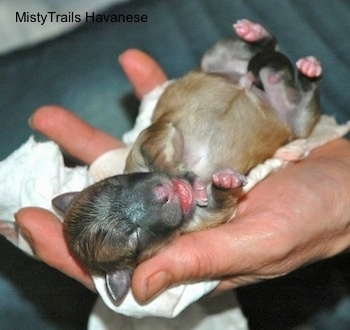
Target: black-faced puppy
{"x":185,"y":172}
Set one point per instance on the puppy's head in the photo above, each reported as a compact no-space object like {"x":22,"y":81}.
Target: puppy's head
{"x":113,"y":224}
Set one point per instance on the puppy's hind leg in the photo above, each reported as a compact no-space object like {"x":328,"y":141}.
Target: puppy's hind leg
{"x":255,"y":34}
{"x":296,"y":102}
{"x":309,"y":108}
{"x":230,"y":58}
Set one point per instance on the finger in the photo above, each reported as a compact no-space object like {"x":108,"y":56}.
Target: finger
{"x":45,"y":235}
{"x":198,"y":256}
{"x":191,"y":259}
{"x":74,"y":135}
{"x":142,"y":70}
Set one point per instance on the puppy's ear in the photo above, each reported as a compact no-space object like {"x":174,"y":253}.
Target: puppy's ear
{"x":62,"y":202}
{"x":118,"y":284}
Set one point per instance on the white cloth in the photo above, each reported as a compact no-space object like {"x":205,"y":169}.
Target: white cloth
{"x":35,"y":173}
{"x":32,"y":175}
{"x":220,"y":312}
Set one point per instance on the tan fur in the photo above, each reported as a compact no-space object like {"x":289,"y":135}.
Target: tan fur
{"x":203,"y":123}
{"x":206,"y":109}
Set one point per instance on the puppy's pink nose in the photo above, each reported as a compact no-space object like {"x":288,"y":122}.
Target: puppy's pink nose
{"x":164,"y":193}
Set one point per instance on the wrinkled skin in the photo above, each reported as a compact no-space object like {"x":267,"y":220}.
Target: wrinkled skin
{"x":307,"y":217}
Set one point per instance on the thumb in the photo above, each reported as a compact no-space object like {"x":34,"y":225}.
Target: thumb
{"x":227,"y":250}
{"x":178,"y":262}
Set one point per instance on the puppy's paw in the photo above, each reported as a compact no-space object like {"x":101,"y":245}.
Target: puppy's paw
{"x":229,"y":179}
{"x":250,"y":31}
{"x":310,"y":66}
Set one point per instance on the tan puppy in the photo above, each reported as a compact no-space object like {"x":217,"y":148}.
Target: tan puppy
{"x":186,"y":171}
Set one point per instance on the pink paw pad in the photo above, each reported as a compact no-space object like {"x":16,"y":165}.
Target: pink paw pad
{"x":309,"y":66}
{"x":249,"y":31}
{"x":200,"y":193}
{"x":229,"y":179}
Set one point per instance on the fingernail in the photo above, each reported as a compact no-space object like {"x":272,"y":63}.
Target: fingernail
{"x":155,"y":285}
{"x":25,"y":233}
{"x":120,"y":57}
{"x":30,"y":122}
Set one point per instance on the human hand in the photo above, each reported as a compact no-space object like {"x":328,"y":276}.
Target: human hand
{"x":41,"y":227}
{"x":294,"y":217}
{"x":290,"y":219}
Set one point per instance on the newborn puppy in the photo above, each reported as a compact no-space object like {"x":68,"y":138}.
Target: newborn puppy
{"x":186,"y":171}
